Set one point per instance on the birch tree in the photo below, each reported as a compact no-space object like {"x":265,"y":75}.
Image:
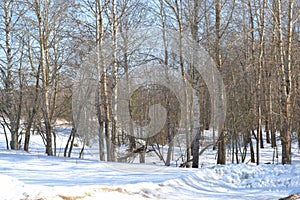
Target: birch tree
{"x":101,"y":67}
{"x":222,"y":137}
{"x":11,"y":108}
{"x":286,"y":81}
{"x":48,"y":22}
{"x":259,"y":80}
{"x":176,"y":8}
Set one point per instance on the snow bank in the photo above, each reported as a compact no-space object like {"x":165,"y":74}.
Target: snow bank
{"x":35,"y":176}
{"x":10,"y":187}
{"x":54,"y":178}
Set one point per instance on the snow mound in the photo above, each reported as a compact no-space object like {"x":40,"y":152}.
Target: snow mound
{"x":11,"y":188}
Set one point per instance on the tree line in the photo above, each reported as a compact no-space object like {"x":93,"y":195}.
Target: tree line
{"x":254,"y":44}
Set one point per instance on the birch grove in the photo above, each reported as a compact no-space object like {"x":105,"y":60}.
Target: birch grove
{"x":253,"y":44}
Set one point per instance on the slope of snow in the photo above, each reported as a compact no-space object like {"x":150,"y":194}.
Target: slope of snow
{"x":35,"y":176}
{"x":25,"y":176}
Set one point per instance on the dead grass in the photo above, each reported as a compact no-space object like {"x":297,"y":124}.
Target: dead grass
{"x":64,"y":197}
{"x":291,"y":197}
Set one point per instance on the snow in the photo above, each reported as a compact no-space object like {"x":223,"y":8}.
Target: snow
{"x":35,"y":176}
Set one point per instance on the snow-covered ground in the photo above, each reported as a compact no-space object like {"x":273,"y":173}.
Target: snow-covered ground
{"x":36,"y":176}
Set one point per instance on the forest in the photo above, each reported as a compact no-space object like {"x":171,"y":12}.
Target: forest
{"x":135,"y":74}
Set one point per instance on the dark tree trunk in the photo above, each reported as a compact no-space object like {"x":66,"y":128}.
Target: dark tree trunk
{"x":268,"y":131}
{"x":273,"y":138}
{"x":68,"y":142}
{"x":27,"y":139}
{"x":298,"y":140}
{"x":251,"y":148}
{"x":261,"y":139}
{"x":222,"y":149}
{"x":196,"y":147}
